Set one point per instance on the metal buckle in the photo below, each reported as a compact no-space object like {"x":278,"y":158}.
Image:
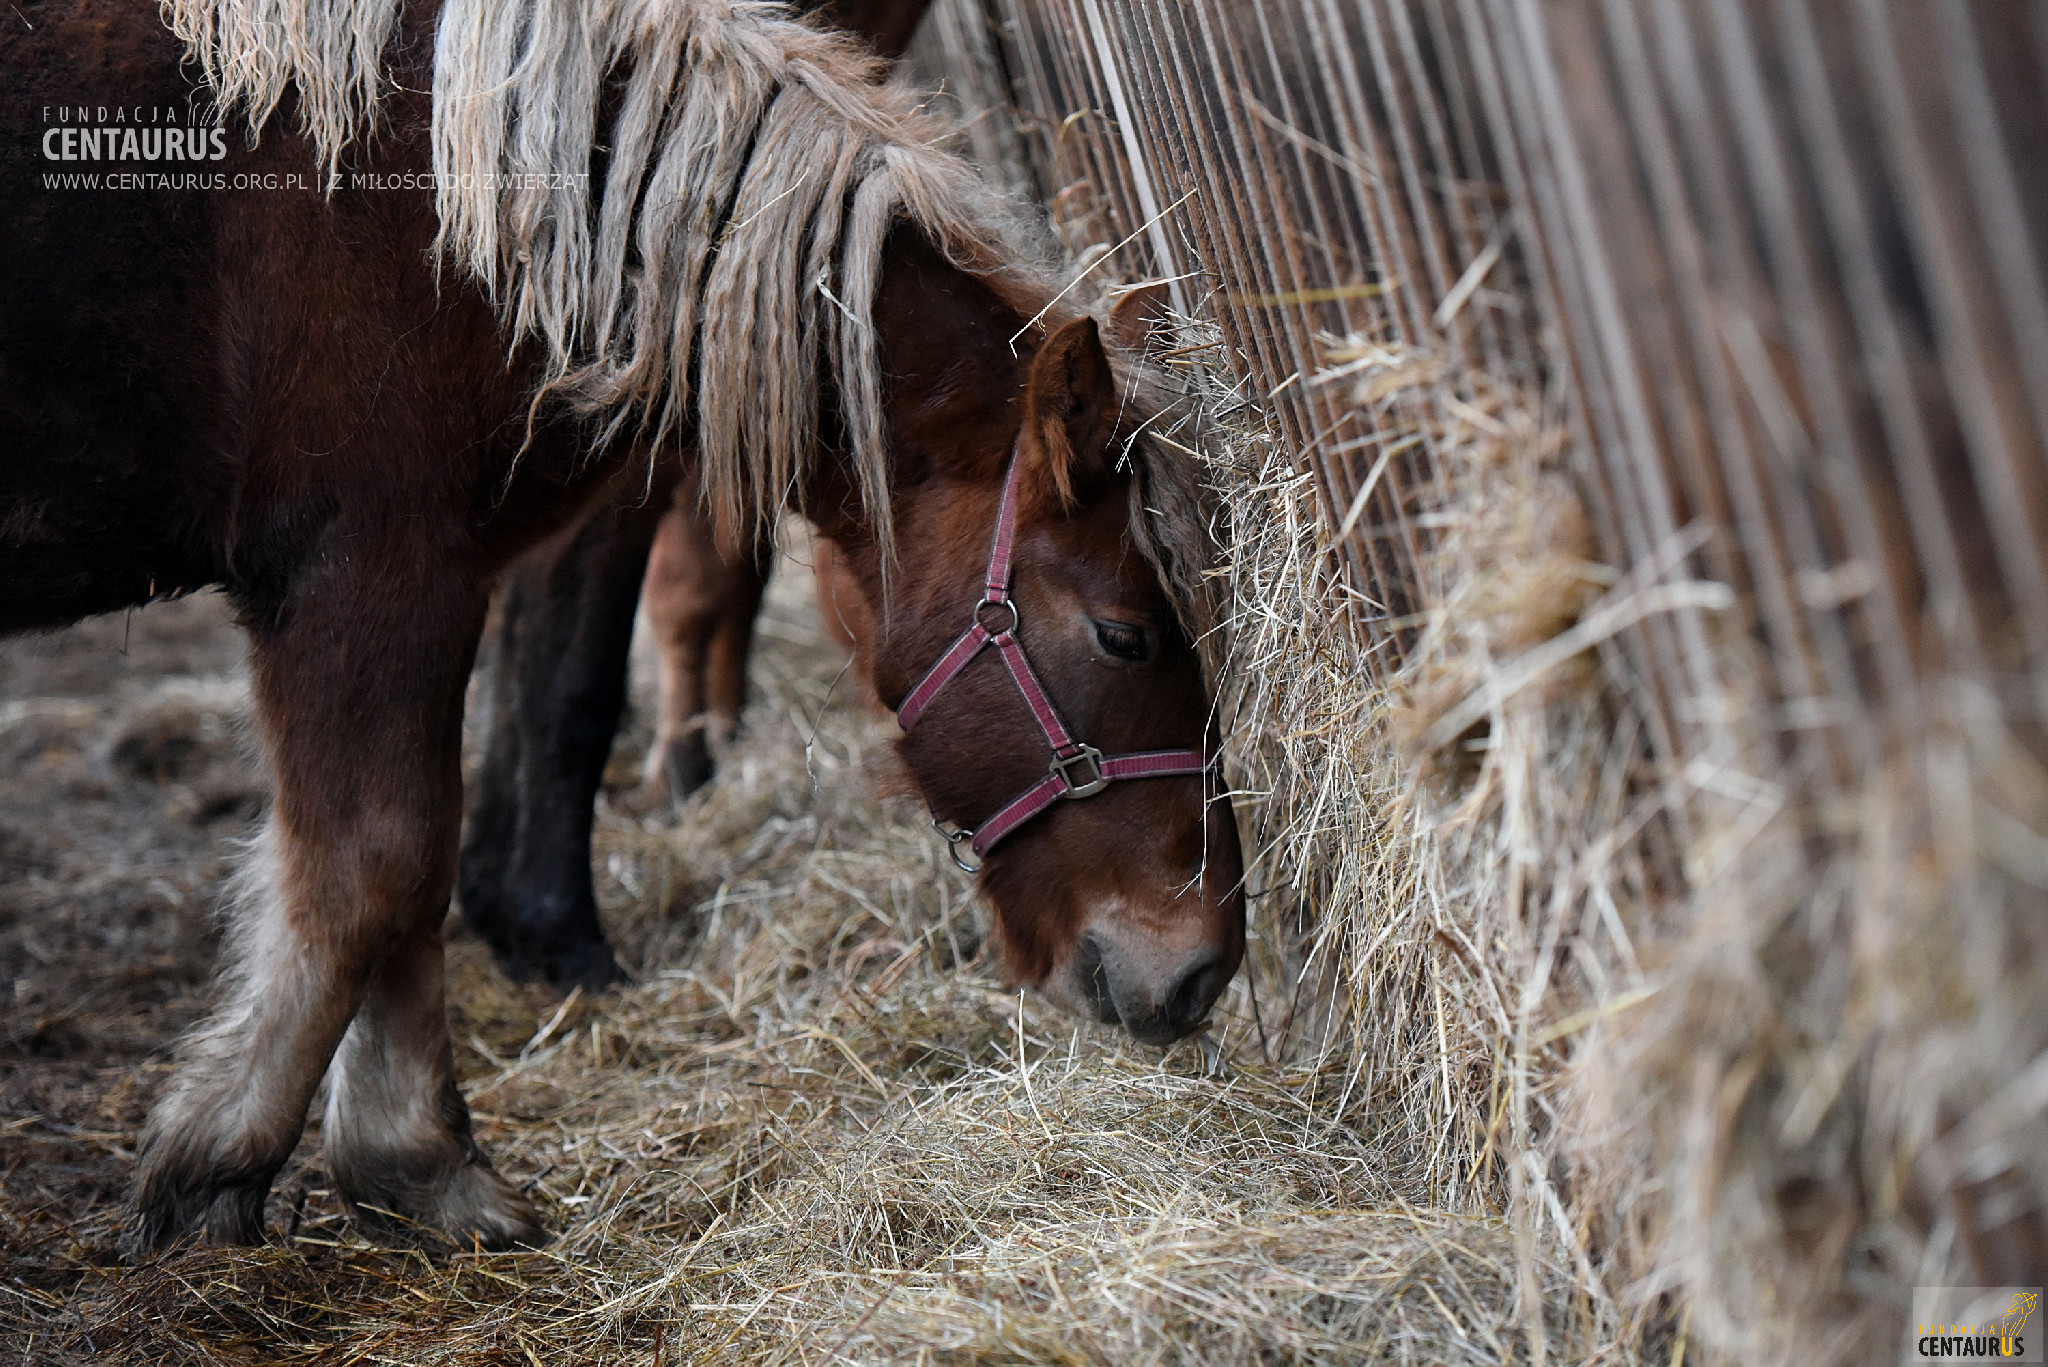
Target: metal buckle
{"x":955,"y":838}
{"x":1087,"y":754}
{"x":1015,"y":618}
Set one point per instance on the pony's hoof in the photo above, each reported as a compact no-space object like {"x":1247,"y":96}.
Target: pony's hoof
{"x":192,"y":1181}
{"x":214,"y":1212}
{"x":474,"y":1208}
{"x":590,"y":966}
{"x":537,"y":939}
{"x":678,"y":769}
{"x":480,"y":1209}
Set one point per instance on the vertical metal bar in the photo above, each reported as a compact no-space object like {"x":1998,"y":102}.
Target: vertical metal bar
{"x":1938,"y":245}
{"x":1141,"y":181}
{"x":1718,"y":300}
{"x":1891,"y":386}
{"x":1603,"y":332}
{"x":1834,"y":452}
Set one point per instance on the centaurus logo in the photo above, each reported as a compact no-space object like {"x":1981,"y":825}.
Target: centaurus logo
{"x":128,"y":133}
{"x":1975,"y":1324}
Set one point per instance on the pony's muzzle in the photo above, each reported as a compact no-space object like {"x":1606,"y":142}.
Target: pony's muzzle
{"x":1156,"y":997}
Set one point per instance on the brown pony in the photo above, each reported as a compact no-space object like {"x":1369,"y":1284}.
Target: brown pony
{"x":353,"y":408}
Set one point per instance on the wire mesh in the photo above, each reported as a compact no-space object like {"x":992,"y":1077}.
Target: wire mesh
{"x":1781,"y":261}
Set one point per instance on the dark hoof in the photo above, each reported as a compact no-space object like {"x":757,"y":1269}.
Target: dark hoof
{"x":543,"y":942}
{"x":590,"y":966}
{"x":472,"y":1208}
{"x":686,"y":765}
{"x":222,"y":1213}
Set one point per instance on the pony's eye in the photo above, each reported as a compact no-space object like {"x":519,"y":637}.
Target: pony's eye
{"x":1124,"y":642}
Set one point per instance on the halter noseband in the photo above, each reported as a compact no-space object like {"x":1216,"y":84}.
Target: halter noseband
{"x":1077,"y":770}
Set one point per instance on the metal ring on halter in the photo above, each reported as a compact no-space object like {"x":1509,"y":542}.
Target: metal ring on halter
{"x":955,"y":838}
{"x":1064,"y":767}
{"x":1016,"y":618}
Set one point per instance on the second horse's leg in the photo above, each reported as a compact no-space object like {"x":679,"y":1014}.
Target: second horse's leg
{"x":701,"y":605}
{"x":565,"y":629}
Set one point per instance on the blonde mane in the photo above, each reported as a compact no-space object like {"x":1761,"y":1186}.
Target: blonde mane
{"x":751,"y":171}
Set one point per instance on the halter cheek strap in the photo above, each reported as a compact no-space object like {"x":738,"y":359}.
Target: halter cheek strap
{"x":1077,"y":770}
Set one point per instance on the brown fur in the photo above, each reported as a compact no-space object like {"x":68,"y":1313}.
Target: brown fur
{"x":753,"y":167}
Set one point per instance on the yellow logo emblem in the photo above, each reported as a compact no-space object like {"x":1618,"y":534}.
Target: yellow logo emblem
{"x":2023,"y":1303}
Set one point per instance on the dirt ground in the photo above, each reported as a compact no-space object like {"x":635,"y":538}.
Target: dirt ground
{"x":124,"y":787}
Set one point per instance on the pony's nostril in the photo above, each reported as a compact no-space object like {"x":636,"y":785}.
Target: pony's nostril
{"x":1200,"y":985}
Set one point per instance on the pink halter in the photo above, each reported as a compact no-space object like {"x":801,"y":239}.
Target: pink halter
{"x":1077,"y":770}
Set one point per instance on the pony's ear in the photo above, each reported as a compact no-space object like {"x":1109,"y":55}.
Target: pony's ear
{"x":1069,"y":413}
{"x":1141,"y":318}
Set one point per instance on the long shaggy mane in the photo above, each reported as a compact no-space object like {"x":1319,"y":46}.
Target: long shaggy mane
{"x":682,"y":201}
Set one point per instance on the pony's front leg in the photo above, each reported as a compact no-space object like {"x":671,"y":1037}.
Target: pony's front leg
{"x":397,"y":1128}
{"x":358,"y":682}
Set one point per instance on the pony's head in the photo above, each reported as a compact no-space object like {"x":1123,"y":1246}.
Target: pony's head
{"x":1121,"y":898}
